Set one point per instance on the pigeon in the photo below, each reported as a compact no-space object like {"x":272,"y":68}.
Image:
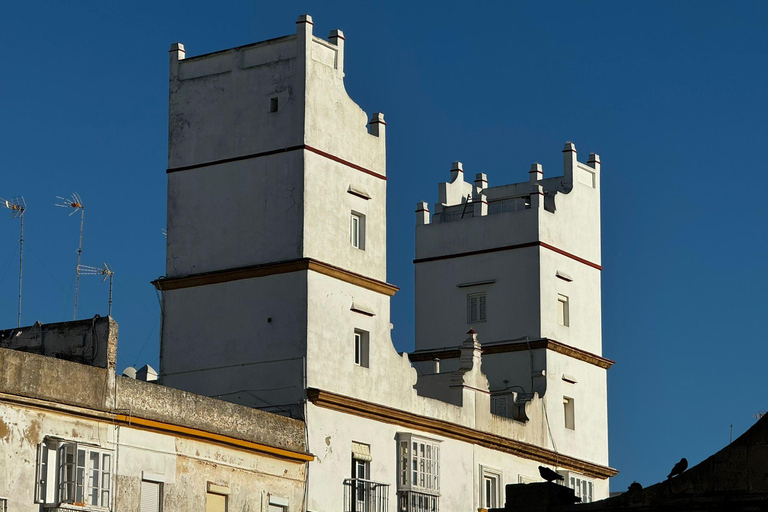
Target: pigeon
{"x":549,"y":475}
{"x":679,"y":468}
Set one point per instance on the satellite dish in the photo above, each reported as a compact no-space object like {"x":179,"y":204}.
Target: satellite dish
{"x":130,"y":372}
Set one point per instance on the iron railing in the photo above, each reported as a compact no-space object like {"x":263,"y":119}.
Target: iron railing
{"x":412,"y":501}
{"x":365,"y":496}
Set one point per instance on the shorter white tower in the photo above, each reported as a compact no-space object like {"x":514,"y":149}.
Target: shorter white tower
{"x":520,"y":264}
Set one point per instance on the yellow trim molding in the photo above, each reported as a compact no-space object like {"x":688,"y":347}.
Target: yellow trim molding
{"x":134,"y":422}
{"x":393,"y":416}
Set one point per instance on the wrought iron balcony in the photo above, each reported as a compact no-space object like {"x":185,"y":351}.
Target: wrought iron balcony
{"x":365,"y":496}
{"x":412,"y":501}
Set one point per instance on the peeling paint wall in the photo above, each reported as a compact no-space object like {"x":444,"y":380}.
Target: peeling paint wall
{"x":43,"y":397}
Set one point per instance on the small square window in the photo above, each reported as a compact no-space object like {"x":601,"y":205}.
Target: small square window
{"x":357,"y":230}
{"x":569,"y":413}
{"x":476,"y":307}
{"x":563,"y":315}
{"x":273,"y":103}
{"x":361,"y":348}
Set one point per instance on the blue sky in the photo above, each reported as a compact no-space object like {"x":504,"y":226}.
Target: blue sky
{"x":672,"y":95}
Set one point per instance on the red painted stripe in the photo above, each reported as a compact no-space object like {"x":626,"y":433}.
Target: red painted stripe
{"x":344,"y":162}
{"x":511,"y":248}
{"x":572,"y":256}
{"x":275,"y":152}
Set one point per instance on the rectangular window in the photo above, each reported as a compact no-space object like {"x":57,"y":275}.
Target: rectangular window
{"x":151,"y":496}
{"x":476,"y":307}
{"x":357,"y":230}
{"x":84,"y":475}
{"x":3,"y":504}
{"x":277,"y":504}
{"x":562,"y":310}
{"x":582,"y":487}
{"x":273,"y":102}
{"x":361,"y":348}
{"x":568,"y":413}
{"x":490,"y":487}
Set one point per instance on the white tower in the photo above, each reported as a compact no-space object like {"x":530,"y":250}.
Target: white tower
{"x":520,"y":264}
{"x":276,"y":222}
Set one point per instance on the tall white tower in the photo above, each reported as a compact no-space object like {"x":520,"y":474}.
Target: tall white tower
{"x":520,"y":264}
{"x":276,"y":222}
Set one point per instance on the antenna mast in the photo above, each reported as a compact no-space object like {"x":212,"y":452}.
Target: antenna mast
{"x":75,"y":203}
{"x":105,"y":271}
{"x":18,"y":206}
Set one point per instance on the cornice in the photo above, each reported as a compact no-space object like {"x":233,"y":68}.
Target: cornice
{"x":517,"y":346}
{"x":364,"y":409}
{"x":269,"y":269}
{"x":153,"y":425}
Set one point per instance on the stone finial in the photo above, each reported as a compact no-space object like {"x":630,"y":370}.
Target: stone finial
{"x":537,"y":196}
{"x":305,"y":18}
{"x":536,"y":173}
{"x":377,"y":124}
{"x":422,"y":213}
{"x":337,"y":37}
{"x":457,"y":168}
{"x":594,"y":161}
{"x":469,"y":373}
{"x":178,"y":47}
{"x":176,"y":54}
{"x":481,"y":180}
{"x":304,"y":38}
{"x":569,"y":162}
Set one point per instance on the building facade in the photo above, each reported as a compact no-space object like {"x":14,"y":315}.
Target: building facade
{"x":75,"y":437}
{"x":275,"y":294}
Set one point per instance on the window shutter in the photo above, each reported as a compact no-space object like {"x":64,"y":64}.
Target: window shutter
{"x":150,"y":496}
{"x":482,"y":307}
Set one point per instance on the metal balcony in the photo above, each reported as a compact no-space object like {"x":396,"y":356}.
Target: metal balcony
{"x":412,"y":501}
{"x":365,"y":496}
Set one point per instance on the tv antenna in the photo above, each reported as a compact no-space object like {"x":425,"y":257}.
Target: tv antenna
{"x":75,"y":204}
{"x":105,"y":271}
{"x":18,"y":206}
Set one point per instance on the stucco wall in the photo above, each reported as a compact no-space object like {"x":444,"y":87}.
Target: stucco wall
{"x":92,"y":341}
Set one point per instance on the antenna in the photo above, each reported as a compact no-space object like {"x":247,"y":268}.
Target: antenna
{"x":75,"y":203}
{"x":105,"y":271}
{"x":18,"y":206}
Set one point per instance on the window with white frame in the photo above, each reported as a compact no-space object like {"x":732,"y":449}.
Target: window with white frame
{"x":490,"y":487}
{"x":563,"y":315}
{"x":73,"y":473}
{"x":419,"y":464}
{"x":582,"y":487}
{"x":476,"y":307}
{"x":3,"y":504}
{"x":357,"y":230}
{"x":361,"y":348}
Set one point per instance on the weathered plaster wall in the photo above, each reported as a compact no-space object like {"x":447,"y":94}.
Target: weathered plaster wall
{"x":41,"y":396}
{"x":92,"y":341}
